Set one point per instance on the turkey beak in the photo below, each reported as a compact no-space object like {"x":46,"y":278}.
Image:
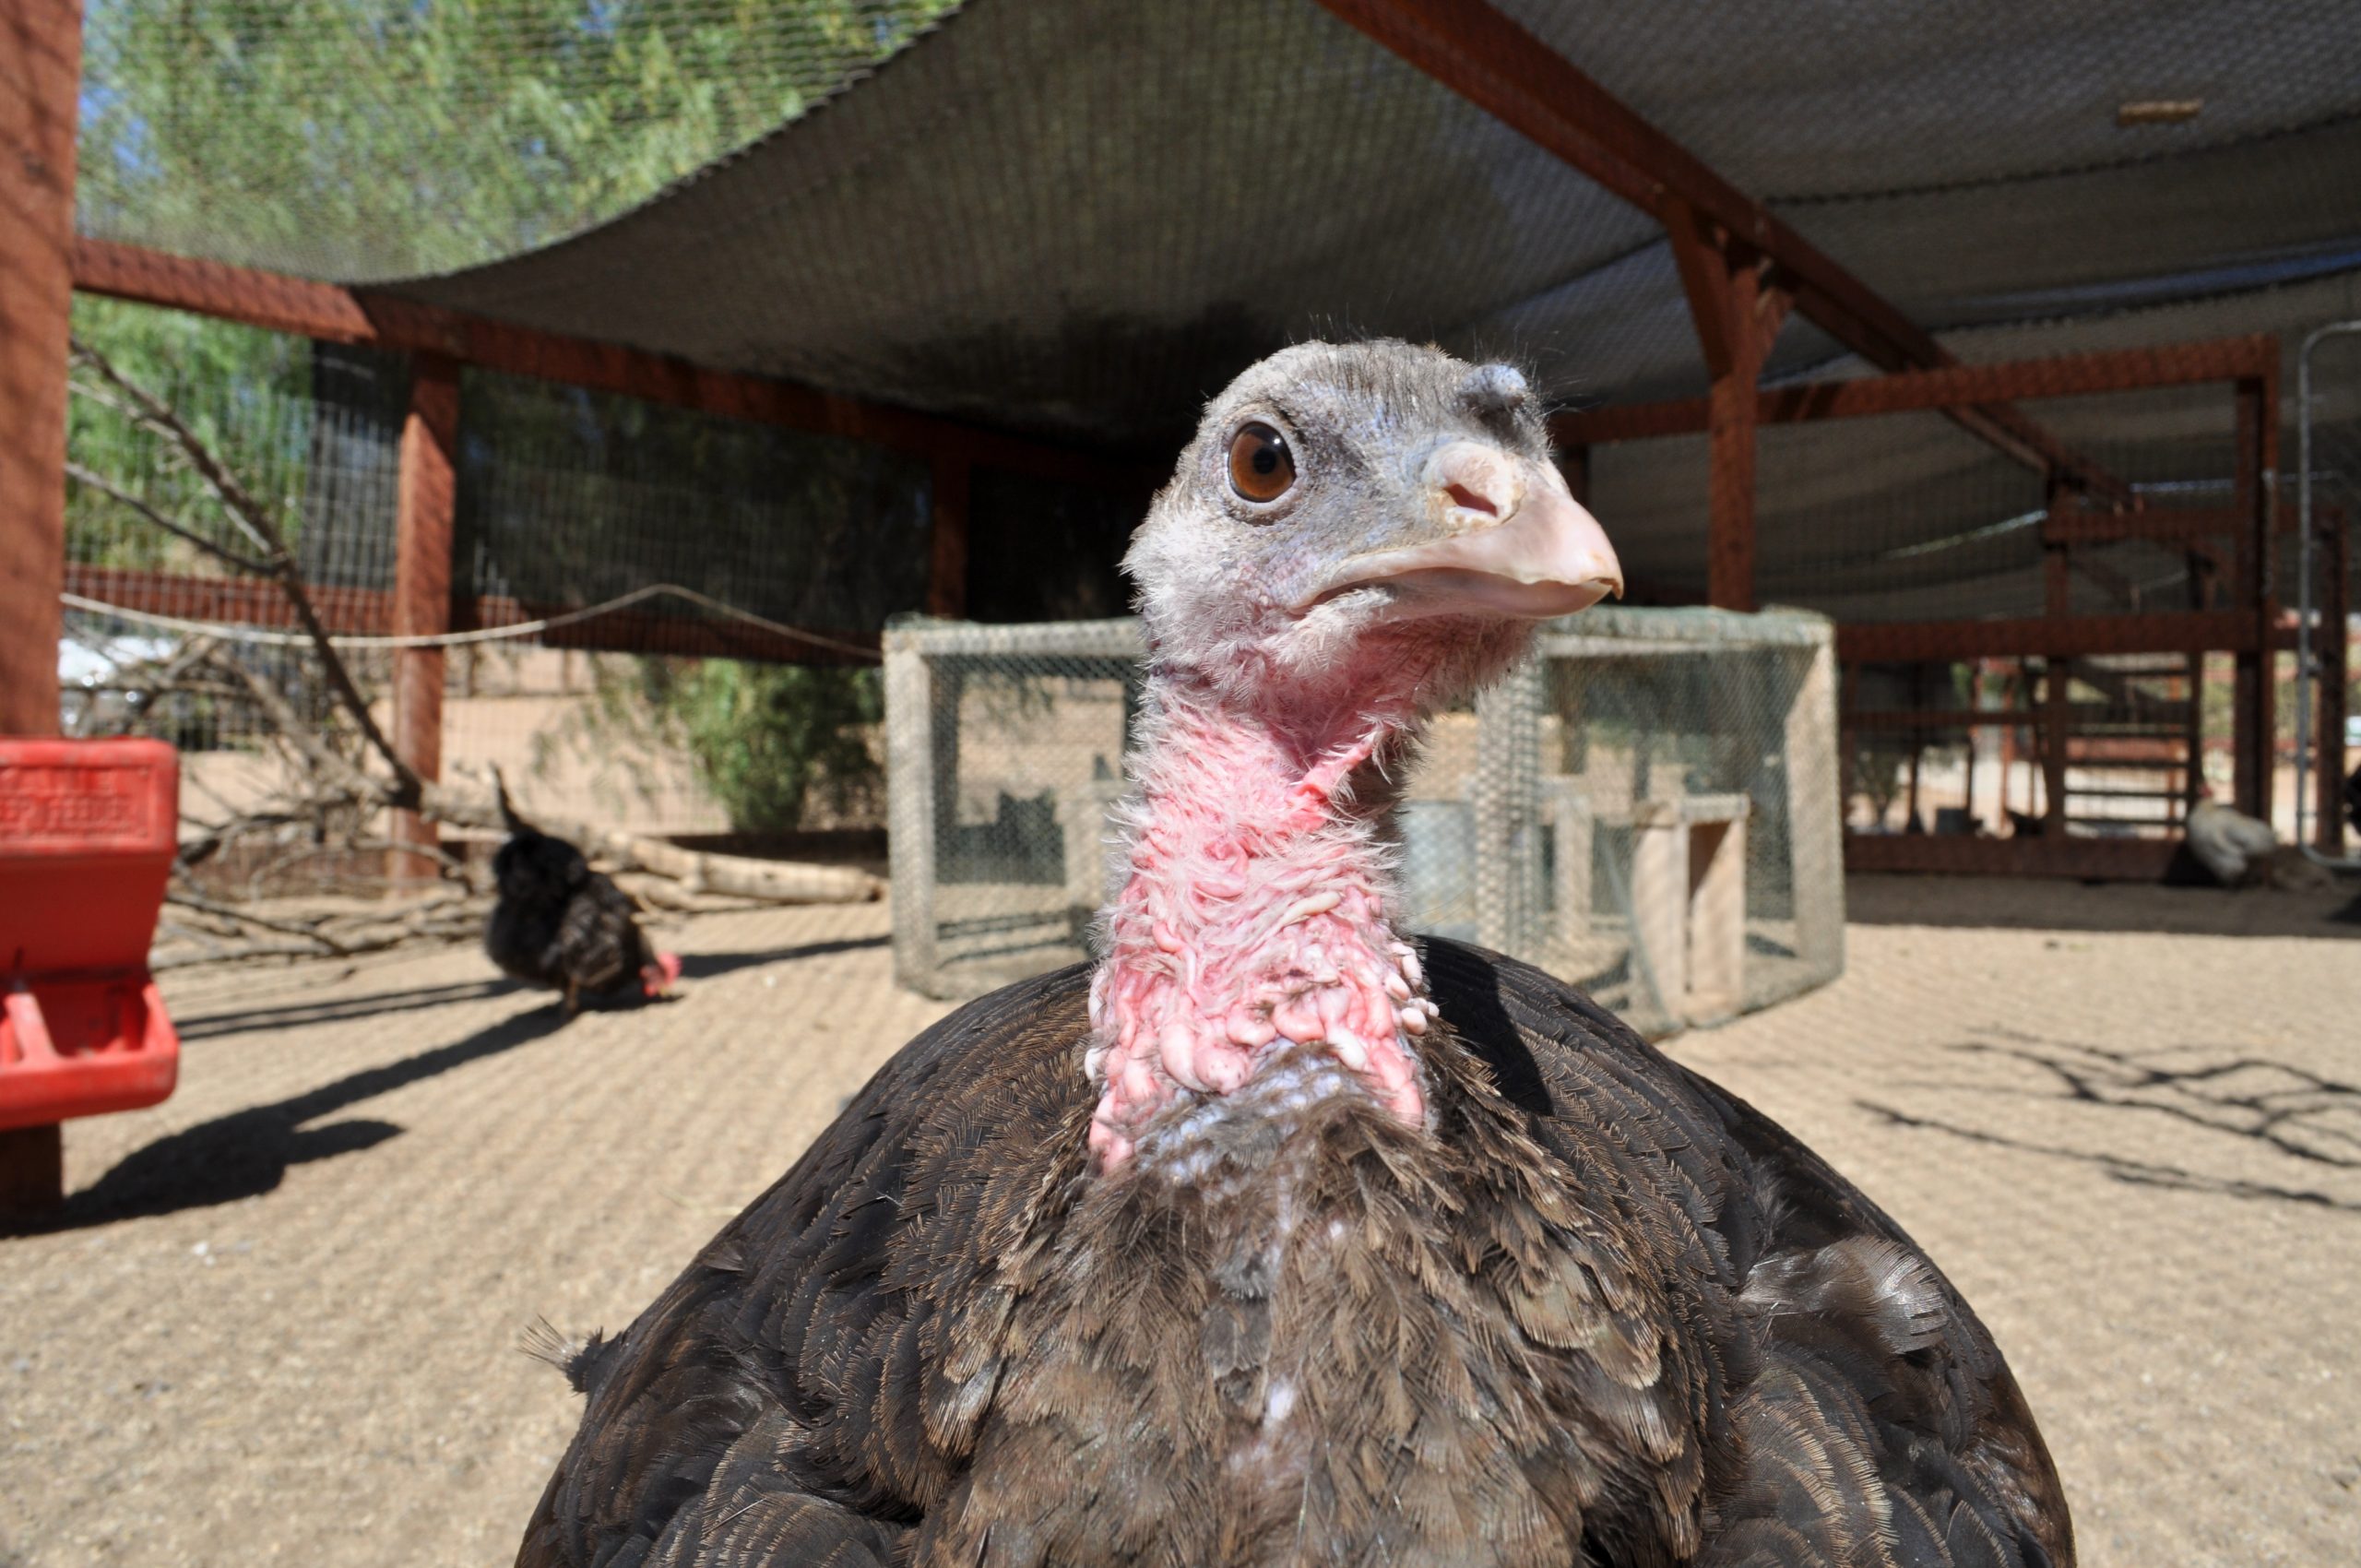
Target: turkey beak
{"x":1513,"y":542}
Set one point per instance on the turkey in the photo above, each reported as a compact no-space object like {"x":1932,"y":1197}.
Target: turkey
{"x":1276,"y":1237}
{"x":2239,"y":850}
{"x":557,"y":923}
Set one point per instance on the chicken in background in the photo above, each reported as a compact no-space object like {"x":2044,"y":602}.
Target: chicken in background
{"x":560,"y":924}
{"x":2244,"y":851}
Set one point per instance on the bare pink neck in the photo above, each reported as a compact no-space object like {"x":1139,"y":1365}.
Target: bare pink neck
{"x":1258,"y":909}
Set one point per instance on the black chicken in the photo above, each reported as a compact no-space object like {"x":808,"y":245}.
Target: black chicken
{"x":1276,"y":1238}
{"x":559,"y":923}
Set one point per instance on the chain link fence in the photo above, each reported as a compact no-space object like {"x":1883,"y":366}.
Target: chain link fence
{"x":1647,"y":807}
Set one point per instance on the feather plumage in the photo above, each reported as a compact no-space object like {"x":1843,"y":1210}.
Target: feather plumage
{"x":557,"y":923}
{"x":1277,"y":1239}
{"x":1631,"y":1317}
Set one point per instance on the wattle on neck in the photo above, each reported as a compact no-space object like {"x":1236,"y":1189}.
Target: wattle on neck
{"x":1257,"y":909}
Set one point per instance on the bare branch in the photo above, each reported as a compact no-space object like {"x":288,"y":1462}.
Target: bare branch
{"x":254,"y":521}
{"x":114,"y":491}
{"x":230,"y":912}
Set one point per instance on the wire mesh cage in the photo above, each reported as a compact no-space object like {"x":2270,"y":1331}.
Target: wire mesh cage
{"x":1647,"y":807}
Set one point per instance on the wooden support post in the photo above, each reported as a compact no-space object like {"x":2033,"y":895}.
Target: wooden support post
{"x":1717,"y":919}
{"x":911,"y":814}
{"x":32,"y":1169}
{"x":1816,"y":812}
{"x":2194,"y":735}
{"x":946,"y":574}
{"x":424,"y":503}
{"x":1730,"y":550}
{"x":1660,"y":889}
{"x":41,"y":72}
{"x":41,"y":77}
{"x":1575,"y":463}
{"x":2329,"y":640}
{"x":2252,"y":740}
{"x":1574,"y":835}
{"x":1737,"y":322}
{"x":2056,"y":717}
{"x":2011,"y":697}
{"x":2057,"y":714}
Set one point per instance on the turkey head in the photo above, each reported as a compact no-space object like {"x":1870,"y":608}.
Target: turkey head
{"x":1357,"y":534}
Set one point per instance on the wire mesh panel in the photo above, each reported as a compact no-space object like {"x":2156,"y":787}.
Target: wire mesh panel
{"x":1647,"y":807}
{"x":1661,"y":828}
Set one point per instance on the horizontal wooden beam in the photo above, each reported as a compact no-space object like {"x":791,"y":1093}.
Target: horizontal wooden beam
{"x":2100,"y":860}
{"x":1942,"y":719}
{"x":1486,"y":57}
{"x":246,"y":601}
{"x":2084,"y":715}
{"x":353,"y":612}
{"x":2171,"y":525}
{"x":2059,"y":636}
{"x":1952,"y":386}
{"x":335,"y":314}
{"x":2172,"y":528}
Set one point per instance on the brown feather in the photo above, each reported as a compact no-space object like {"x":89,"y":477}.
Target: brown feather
{"x":1633,"y":1323}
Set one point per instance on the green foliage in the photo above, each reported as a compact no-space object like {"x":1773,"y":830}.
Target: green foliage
{"x":367,"y":139}
{"x":361,"y":139}
{"x":765,"y":737}
{"x":244,"y":393}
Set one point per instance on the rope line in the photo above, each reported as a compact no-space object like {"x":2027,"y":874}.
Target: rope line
{"x":231,"y":632}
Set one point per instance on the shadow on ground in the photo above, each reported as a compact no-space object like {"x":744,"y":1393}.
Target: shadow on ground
{"x":705,"y":966}
{"x":346,"y":1009}
{"x":337,"y":1010}
{"x":2048,"y":903}
{"x":2288,"y":1110}
{"x":248,"y":1152}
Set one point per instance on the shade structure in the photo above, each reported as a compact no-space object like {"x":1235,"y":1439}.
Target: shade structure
{"x":1078,"y":218}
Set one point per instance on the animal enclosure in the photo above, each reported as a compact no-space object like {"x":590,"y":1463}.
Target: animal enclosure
{"x":1647,"y":807}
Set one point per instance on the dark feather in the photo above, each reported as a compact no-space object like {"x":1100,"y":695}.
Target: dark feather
{"x":1621,"y":1319}
{"x":557,"y":922}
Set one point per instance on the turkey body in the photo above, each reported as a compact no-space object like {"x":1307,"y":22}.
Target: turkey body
{"x":1598,"y":1312}
{"x":559,"y":923}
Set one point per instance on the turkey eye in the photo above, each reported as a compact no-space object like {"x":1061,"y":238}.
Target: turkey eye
{"x":1261,"y":467}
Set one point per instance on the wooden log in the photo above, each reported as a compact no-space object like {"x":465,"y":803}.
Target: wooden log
{"x":778,"y":882}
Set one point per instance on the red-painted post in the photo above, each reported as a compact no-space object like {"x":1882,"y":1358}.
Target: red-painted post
{"x":424,"y":509}
{"x":40,"y":79}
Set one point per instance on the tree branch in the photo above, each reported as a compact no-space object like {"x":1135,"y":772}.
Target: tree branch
{"x":253,"y":519}
{"x":114,"y":491}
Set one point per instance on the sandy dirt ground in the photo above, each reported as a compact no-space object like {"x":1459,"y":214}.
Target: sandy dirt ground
{"x":279,"y":1319}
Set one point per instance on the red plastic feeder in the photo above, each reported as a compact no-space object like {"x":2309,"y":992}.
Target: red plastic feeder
{"x":87,"y":832}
